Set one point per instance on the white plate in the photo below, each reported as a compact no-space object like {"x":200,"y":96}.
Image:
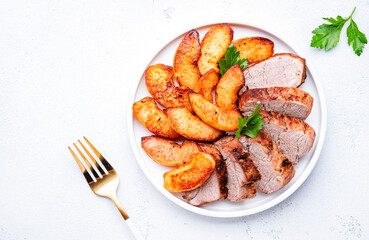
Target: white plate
{"x":154,"y":171}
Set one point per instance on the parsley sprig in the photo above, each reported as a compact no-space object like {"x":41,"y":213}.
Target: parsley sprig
{"x":326,"y":36}
{"x":231,"y":58}
{"x":251,"y":125}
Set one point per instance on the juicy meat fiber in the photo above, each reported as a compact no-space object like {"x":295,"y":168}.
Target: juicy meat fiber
{"x":284,"y":100}
{"x":280,"y":70}
{"x":242,"y":172}
{"x":275,"y":168}
{"x":293,"y":136}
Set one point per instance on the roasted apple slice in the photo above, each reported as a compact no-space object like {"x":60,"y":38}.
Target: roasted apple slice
{"x":255,"y":49}
{"x":191,"y":175}
{"x":174,"y":97}
{"x":153,"y":118}
{"x":159,"y":82}
{"x":190,"y":126}
{"x":217,"y":117}
{"x":227,"y":88}
{"x":207,"y":83}
{"x":168,"y":152}
{"x":185,"y":60}
{"x":158,"y":77}
{"x":213,"y":47}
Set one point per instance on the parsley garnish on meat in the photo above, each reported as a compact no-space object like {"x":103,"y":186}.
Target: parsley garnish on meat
{"x":231,"y":58}
{"x":251,"y":125}
{"x":326,"y":36}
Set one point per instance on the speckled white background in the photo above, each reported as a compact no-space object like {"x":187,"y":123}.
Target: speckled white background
{"x":65,"y":71}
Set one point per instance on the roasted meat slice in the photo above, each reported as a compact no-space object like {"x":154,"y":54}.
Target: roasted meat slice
{"x":284,"y":100}
{"x":293,"y":136}
{"x":241,"y":170}
{"x":280,"y":70}
{"x":275,"y":168}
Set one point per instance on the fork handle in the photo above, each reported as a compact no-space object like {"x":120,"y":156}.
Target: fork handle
{"x":132,"y":226}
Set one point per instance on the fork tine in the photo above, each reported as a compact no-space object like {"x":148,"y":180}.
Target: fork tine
{"x":108,"y":167}
{"x":87,"y":162}
{"x":93,"y":159}
{"x":83,"y":169}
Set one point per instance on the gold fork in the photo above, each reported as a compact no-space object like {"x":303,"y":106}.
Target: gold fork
{"x":107,"y":184}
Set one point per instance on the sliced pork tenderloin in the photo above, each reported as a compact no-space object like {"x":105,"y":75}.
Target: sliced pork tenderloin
{"x":241,"y":170}
{"x":288,"y":101}
{"x":293,"y":136}
{"x":280,"y":70}
{"x":275,"y":168}
{"x":215,"y":187}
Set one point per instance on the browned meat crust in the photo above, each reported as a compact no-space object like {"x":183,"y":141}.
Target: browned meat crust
{"x":220,"y":167}
{"x":243,"y":158}
{"x":285,"y":100}
{"x":242,"y":172}
{"x":293,"y":136}
{"x":276,"y":169}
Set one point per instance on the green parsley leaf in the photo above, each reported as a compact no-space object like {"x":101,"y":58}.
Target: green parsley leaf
{"x":241,"y":123}
{"x":231,"y":58}
{"x":356,"y":38}
{"x":243,"y":63}
{"x":326,"y":36}
{"x":251,"y":125}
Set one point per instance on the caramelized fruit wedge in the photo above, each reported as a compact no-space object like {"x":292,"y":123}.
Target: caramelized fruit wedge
{"x":191,"y":175}
{"x":169,"y":153}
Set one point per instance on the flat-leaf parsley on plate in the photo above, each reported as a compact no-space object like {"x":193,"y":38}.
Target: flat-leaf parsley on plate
{"x":231,"y":58}
{"x":251,"y":125}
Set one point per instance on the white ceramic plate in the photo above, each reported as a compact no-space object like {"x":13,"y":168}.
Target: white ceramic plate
{"x":154,"y":171}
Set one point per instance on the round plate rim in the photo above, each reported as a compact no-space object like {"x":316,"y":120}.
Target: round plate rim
{"x":239,"y":213}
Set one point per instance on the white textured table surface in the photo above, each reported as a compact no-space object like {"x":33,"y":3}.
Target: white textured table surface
{"x":65,"y":71}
